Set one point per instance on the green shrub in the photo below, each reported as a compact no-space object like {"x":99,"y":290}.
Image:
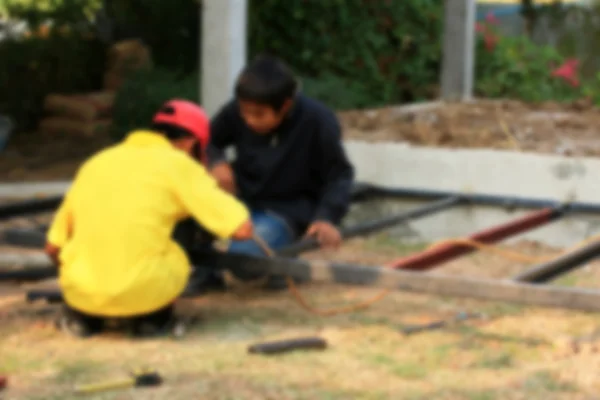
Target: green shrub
{"x":381,"y":51}
{"x":515,"y":67}
{"x":171,"y":28}
{"x":340,"y":93}
{"x":143,"y":94}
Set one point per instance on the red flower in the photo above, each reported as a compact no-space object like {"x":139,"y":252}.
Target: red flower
{"x":480,"y":28}
{"x":568,"y":72}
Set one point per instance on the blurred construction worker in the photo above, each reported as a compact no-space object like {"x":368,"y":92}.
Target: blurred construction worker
{"x":290,"y":169}
{"x":112,"y":235}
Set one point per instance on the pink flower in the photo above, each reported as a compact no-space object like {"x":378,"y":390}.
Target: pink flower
{"x":568,"y":72}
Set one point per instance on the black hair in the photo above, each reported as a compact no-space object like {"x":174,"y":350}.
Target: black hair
{"x":170,"y":131}
{"x":266,"y":80}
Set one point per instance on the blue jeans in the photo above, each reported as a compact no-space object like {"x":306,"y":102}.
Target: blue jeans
{"x":273,"y":229}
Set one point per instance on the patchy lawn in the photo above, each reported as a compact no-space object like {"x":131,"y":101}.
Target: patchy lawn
{"x":515,"y":353}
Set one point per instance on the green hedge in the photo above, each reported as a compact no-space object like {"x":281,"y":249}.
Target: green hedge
{"x":381,"y":51}
{"x":515,"y":67}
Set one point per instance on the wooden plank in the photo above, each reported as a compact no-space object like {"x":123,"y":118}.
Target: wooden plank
{"x":436,"y":284}
{"x":412,"y":281}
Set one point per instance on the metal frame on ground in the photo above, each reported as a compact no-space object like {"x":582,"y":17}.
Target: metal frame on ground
{"x":525,"y":288}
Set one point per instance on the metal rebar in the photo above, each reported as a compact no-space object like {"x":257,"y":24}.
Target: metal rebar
{"x":363,"y":191}
{"x":24,"y":237}
{"x":31,"y":206}
{"x":33,"y":238}
{"x":561,"y":265}
{"x":377,"y":225}
{"x":430,"y":258}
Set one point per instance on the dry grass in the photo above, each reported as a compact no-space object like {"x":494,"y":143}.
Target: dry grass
{"x":368,"y":357}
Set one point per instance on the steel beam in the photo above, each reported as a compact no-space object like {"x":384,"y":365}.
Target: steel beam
{"x":377,"y":225}
{"x":28,"y":274}
{"x":436,"y":284}
{"x":431,"y":258}
{"x":32,"y":206}
{"x":36,"y":239}
{"x":363,"y":192}
{"x":24,"y":237}
{"x":561,"y":265}
{"x":360,"y":192}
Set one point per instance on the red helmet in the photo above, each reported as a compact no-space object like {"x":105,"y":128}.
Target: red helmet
{"x":186,"y":115}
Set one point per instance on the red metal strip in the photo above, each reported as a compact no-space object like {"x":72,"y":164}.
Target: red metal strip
{"x":431,"y":258}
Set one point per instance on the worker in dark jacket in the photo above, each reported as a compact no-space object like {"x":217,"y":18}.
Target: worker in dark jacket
{"x":290,"y":169}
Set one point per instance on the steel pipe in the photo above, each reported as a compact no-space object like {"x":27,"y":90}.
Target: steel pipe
{"x":32,"y":206}
{"x":366,"y":228}
{"x":28,"y":274}
{"x":36,"y":239}
{"x":362,"y":192}
{"x":24,"y":237}
{"x":431,"y":258}
{"x":561,"y":265}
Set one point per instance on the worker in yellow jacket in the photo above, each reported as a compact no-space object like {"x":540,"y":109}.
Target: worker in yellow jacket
{"x":112,"y":235}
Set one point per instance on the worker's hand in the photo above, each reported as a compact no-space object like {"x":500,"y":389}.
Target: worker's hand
{"x":326,"y":234}
{"x":225,"y":177}
{"x":53,"y":252}
{"x":244,"y":232}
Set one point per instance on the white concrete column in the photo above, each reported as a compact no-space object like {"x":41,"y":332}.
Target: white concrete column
{"x":223,"y":44}
{"x":458,"y":57}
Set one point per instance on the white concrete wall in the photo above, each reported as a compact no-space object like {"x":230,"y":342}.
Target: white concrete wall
{"x":484,"y":172}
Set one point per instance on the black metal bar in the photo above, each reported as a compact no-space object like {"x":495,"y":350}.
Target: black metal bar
{"x":363,"y":192}
{"x":32,"y":238}
{"x":433,"y":257}
{"x":561,"y":265}
{"x":437,"y":284}
{"x":24,"y":237}
{"x":360,"y":192}
{"x":27,"y":207}
{"x":374,"y":226}
{"x":439,"y":324}
{"x":28,"y":274}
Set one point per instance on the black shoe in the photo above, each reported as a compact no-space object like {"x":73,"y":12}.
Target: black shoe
{"x":78,"y":327}
{"x":202,"y":282}
{"x":175,"y":327}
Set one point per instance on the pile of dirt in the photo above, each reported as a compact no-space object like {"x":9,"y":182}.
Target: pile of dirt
{"x":545,"y":128}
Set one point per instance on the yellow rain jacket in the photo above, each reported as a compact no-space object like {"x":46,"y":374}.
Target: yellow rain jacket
{"x":115,"y":224}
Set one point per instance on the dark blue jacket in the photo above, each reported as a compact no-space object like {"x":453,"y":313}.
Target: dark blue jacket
{"x":299,"y":171}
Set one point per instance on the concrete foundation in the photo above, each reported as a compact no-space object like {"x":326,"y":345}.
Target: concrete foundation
{"x":476,"y":171}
